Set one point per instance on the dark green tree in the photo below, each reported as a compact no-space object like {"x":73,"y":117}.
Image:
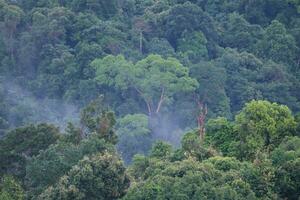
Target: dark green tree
{"x":278,"y":45}
{"x":51,"y":164}
{"x":286,"y":159}
{"x":101,"y":176}
{"x":186,"y":17}
{"x":220,"y":133}
{"x":23,"y":143}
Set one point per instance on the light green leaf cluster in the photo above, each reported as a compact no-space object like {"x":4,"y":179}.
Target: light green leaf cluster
{"x":154,"y":78}
{"x":113,"y":71}
{"x":133,"y":125}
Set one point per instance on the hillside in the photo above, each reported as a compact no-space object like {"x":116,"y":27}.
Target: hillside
{"x":149,"y":99}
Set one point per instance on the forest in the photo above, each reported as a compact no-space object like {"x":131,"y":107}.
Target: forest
{"x":149,"y":99}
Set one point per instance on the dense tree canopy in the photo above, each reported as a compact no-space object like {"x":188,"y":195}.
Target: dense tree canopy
{"x":147,"y":99}
{"x":97,"y":177}
{"x":22,"y":143}
{"x":10,"y":189}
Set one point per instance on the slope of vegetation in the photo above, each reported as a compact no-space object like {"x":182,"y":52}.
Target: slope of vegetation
{"x":146,"y":99}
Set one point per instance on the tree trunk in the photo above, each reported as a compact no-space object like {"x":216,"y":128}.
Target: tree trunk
{"x":162,"y":97}
{"x":201,"y":120}
{"x":141,"y":41}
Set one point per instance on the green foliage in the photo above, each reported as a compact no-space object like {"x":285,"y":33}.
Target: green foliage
{"x":288,"y":150}
{"x":22,"y":143}
{"x":286,"y":158}
{"x":274,"y":77}
{"x":104,"y":9}
{"x":10,"y":18}
{"x":260,"y":127}
{"x":161,"y":47}
{"x":263,"y":125}
{"x":241,"y":69}
{"x":278,"y":45}
{"x":158,"y":177}
{"x":193,"y":45}
{"x":192,"y":146}
{"x":220,"y":7}
{"x":96,"y":118}
{"x":46,"y":168}
{"x":155,"y":79}
{"x":113,"y":71}
{"x":101,"y":176}
{"x":52,"y":58}
{"x":261,"y":176}
{"x":190,"y":179}
{"x":263,"y":12}
{"x":212,"y":90}
{"x":95,"y":135}
{"x":239,"y":33}
{"x":134,"y":136}
{"x":297,"y":119}
{"x":288,"y":179}
{"x":73,"y":134}
{"x":185,"y":17}
{"x":11,"y":189}
{"x":161,"y":150}
{"x":159,"y":58}
{"x":58,"y":65}
{"x":220,"y":134}
{"x":4,"y":124}
{"x":225,"y":163}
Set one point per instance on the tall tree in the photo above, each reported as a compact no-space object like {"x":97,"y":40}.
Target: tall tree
{"x":262,"y":125}
{"x":155,"y":79}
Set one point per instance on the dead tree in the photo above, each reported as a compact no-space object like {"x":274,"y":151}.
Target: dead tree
{"x":141,"y":26}
{"x":201,"y":119}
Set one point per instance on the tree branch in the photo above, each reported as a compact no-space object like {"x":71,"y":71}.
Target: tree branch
{"x":146,"y":101}
{"x":162,"y":98}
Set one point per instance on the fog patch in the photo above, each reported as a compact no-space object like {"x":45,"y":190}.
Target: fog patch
{"x":25,"y":108}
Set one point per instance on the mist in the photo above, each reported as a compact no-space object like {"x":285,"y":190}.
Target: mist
{"x":46,"y":110}
{"x":167,"y":128}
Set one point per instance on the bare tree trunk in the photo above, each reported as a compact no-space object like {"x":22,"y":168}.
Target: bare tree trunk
{"x":149,"y":108}
{"x":162,"y":96}
{"x":141,"y":41}
{"x":201,"y":120}
{"x":82,"y":132}
{"x":148,"y":103}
